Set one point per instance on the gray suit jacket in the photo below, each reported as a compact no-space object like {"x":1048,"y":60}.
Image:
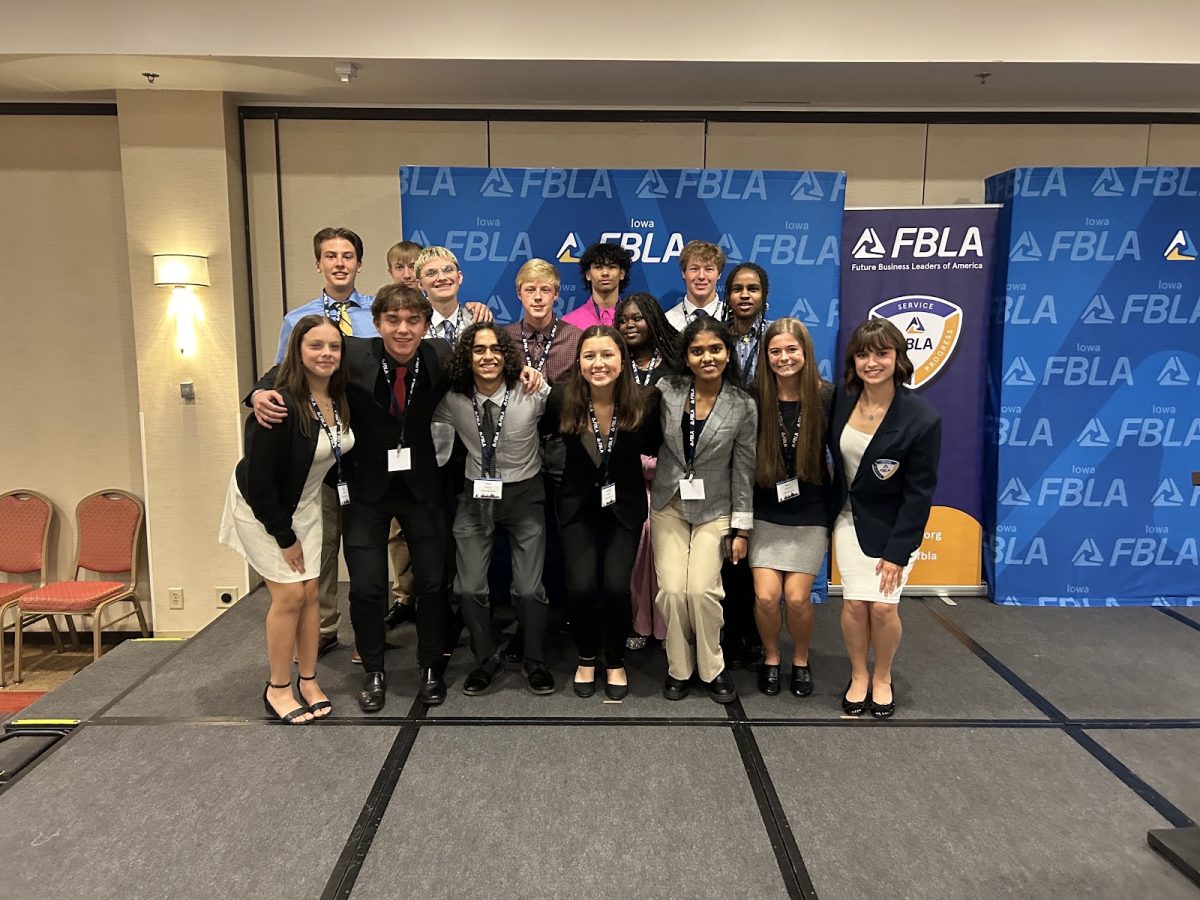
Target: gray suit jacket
{"x":724,"y":457}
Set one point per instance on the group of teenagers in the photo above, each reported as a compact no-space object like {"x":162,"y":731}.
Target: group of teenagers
{"x":689,"y":468}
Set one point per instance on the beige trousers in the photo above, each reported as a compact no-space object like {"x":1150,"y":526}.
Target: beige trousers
{"x":687,"y":560}
{"x":401,"y":564}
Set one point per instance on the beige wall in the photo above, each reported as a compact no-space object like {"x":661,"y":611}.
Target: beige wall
{"x":69,"y":369}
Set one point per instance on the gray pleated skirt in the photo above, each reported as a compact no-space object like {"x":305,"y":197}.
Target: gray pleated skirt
{"x":788,"y":548}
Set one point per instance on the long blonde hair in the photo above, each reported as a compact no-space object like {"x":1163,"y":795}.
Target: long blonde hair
{"x":770,"y":468}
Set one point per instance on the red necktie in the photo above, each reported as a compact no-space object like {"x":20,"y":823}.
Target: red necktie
{"x":400,"y":391}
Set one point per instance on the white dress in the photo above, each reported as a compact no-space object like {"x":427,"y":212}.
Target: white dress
{"x":859,"y":580}
{"x":245,"y":534}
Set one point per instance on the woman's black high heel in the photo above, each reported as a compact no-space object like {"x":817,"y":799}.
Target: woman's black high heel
{"x":855,"y":707}
{"x":291,"y":717}
{"x":585,"y":689}
{"x":313,"y":708}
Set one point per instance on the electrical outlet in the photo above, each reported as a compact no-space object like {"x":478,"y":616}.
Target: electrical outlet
{"x":175,"y":598}
{"x":225,"y":597}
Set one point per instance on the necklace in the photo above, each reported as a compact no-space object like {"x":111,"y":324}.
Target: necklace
{"x":868,"y":413}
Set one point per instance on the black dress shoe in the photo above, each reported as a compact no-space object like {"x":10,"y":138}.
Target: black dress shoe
{"x":768,"y":679}
{"x":855,"y":707}
{"x":400,"y":613}
{"x":883,"y":710}
{"x":721,"y":688}
{"x":616,"y":691}
{"x":325,"y":643}
{"x":481,"y":678}
{"x":674,"y":689}
{"x":433,"y":688}
{"x":539,"y":678}
{"x":587,"y":688}
{"x":801,"y":682}
{"x":373,"y":693}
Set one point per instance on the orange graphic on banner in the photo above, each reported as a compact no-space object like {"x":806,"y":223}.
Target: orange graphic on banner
{"x":950,"y":555}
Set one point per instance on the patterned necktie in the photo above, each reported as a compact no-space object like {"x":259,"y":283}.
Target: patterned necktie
{"x":448,"y":330}
{"x":343,"y":322}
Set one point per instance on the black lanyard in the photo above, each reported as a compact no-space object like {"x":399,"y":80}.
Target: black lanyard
{"x":789,"y":444}
{"x":637,"y":373}
{"x":333,"y":308}
{"x":488,"y":453}
{"x":412,"y":386}
{"x":335,"y":437}
{"x":748,"y":343}
{"x":545,"y":350}
{"x":599,"y":316}
{"x":605,"y":452}
{"x":691,"y":451}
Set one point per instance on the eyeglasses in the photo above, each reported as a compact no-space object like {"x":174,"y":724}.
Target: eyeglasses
{"x":444,"y":270}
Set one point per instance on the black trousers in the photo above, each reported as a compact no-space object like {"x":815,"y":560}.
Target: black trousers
{"x":740,"y":631}
{"x":600,"y":553}
{"x":365,"y":530}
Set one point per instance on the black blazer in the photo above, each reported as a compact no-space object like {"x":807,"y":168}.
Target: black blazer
{"x":889,"y":512}
{"x":580,"y":488}
{"x":271,"y":475}
{"x":375,"y":428}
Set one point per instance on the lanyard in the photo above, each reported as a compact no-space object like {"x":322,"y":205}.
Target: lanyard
{"x":387,"y":374}
{"x":649,"y":370}
{"x":545,"y":350}
{"x":691,"y":455}
{"x":747,"y":344}
{"x":488,"y":453}
{"x":600,"y":313}
{"x":335,"y":437}
{"x":789,"y":444}
{"x":604,"y":451}
{"x":717,"y":313}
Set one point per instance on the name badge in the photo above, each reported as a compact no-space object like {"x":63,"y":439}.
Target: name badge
{"x":399,"y":459}
{"x":343,"y":490}
{"x":488,"y":488}
{"x":787,"y":489}
{"x":608,"y":494}
{"x":691,"y":488}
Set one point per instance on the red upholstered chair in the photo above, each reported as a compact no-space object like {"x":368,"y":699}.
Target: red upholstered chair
{"x":109,"y":527}
{"x":25,"y":518}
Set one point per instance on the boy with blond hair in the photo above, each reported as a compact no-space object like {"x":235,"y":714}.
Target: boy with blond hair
{"x":548,"y":344}
{"x":701,"y":264}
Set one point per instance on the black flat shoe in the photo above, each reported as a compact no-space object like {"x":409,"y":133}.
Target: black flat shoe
{"x":674,"y":689}
{"x":482,"y":676}
{"x":855,"y":707}
{"x":313,"y":708}
{"x":373,"y":693}
{"x":768,"y":679}
{"x":801,"y":683}
{"x":539,"y":678}
{"x":883,"y":710}
{"x":432,"y":691}
{"x":287,"y":718}
{"x":616,"y":691}
{"x":585,"y":689}
{"x":721,"y":688}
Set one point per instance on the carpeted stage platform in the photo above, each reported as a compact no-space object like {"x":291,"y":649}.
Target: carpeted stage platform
{"x":1032,"y":751}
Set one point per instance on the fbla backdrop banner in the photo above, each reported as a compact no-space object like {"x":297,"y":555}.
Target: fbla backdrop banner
{"x":1094,"y":388}
{"x":496,"y":219}
{"x":929,"y":271}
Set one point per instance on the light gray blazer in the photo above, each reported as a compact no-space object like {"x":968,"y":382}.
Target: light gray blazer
{"x":724,"y":457}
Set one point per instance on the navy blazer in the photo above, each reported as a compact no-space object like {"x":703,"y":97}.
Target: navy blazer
{"x":272,"y":473}
{"x":375,"y":428}
{"x":893,"y":488}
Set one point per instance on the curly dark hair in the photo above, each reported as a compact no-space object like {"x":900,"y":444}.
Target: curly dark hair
{"x":462,"y":377}
{"x":599,"y":254}
{"x":708,"y":325}
{"x":762,"y":280}
{"x":663,"y":334}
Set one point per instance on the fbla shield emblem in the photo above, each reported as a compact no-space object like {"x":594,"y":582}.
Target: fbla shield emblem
{"x":884,"y":468}
{"x":930,"y":326}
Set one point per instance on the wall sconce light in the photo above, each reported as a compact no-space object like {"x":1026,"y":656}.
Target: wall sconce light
{"x":182,"y":273}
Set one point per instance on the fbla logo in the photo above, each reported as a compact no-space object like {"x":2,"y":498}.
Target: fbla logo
{"x":1098,"y":312}
{"x":825,"y":369}
{"x":1019,"y":373}
{"x":1026,"y":249}
{"x":1088,"y":554}
{"x":1093,"y":435}
{"x":931,"y":326}
{"x":499,"y":309}
{"x":869,"y":246}
{"x":570,"y":246}
{"x":652,"y":186}
{"x":803,"y":311}
{"x":1173,"y":374}
{"x":1015,"y":494}
{"x":419,"y":237}
{"x":426,"y":181}
{"x":1168,"y":495}
{"x":1108,"y":184}
{"x":1181,"y":248}
{"x":733,"y":252}
{"x":496,"y":184}
{"x":807,"y":188}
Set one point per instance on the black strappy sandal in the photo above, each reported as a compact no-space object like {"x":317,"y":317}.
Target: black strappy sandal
{"x":313,"y":708}
{"x":289,"y":718}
